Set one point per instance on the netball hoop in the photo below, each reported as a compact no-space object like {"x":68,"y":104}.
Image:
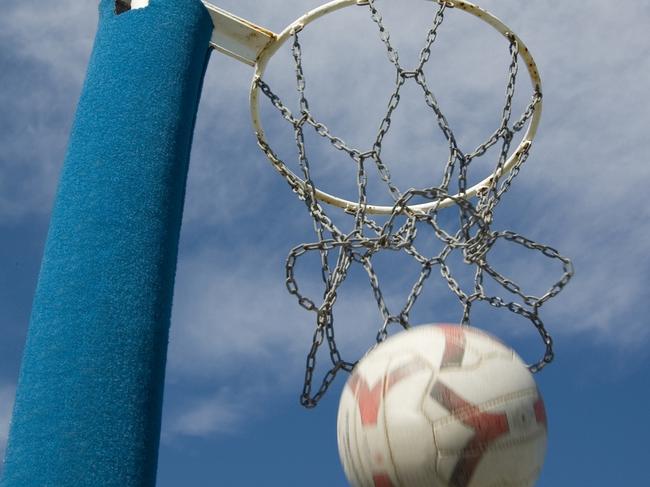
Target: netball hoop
{"x":407,"y":216}
{"x":256,"y":45}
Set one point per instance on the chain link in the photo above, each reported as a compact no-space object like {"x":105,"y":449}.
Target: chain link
{"x":474,"y":237}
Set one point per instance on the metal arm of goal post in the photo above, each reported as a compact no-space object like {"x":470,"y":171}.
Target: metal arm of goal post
{"x":89,"y":397}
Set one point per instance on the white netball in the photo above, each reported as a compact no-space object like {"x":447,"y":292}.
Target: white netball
{"x":441,"y":406}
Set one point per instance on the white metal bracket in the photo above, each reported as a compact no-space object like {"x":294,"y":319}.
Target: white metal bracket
{"x":238,"y":37}
{"x":135,"y":4}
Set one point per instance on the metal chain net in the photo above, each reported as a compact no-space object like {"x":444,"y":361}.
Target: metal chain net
{"x":340,"y":250}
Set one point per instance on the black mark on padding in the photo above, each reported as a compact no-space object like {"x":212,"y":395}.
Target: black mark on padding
{"x":122,"y":6}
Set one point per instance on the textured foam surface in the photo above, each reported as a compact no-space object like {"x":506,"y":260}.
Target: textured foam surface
{"x":89,"y":399}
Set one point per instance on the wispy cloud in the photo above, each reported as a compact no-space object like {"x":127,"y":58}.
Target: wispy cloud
{"x":227,"y":314}
{"x":50,"y":45}
{"x":582,"y":191}
{"x":7,"y":394}
{"x":58,"y":35}
{"x":577,"y":193}
{"x":206,"y":415}
{"x":236,"y":328}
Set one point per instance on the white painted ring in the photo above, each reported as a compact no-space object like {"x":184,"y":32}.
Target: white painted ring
{"x":522,"y":148}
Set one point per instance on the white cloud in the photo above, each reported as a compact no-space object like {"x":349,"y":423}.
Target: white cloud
{"x":7,"y":394}
{"x":235,"y":328}
{"x":58,"y":35}
{"x":219,"y":413}
{"x":585,"y":182}
{"x":582,"y":190}
{"x":232,"y":309}
{"x":578,"y":192}
{"x":50,"y":44}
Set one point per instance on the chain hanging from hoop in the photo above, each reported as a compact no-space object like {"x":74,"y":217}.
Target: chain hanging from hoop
{"x":475,"y":238}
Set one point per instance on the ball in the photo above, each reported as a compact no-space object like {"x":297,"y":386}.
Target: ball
{"x":441,"y":406}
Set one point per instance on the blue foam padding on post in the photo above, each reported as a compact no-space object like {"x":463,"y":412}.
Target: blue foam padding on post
{"x":89,"y":399}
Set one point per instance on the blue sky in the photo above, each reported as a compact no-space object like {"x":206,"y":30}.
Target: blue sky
{"x":239,"y":339}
